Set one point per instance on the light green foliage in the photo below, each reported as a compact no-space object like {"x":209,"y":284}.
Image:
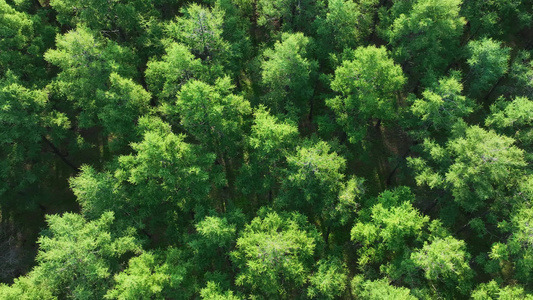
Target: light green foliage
{"x":200,"y":29}
{"x":17,"y":32}
{"x":274,"y":255}
{"x":518,"y":251}
{"x":514,"y":118}
{"x":424,"y":33}
{"x":216,"y":232}
{"x":483,"y":161}
{"x":488,"y":62}
{"x":369,"y":86}
{"x":445,"y":262}
{"x":235,"y":30}
{"x":475,"y":167}
{"x":213,"y":116}
{"x":491,"y":291}
{"x":268,"y":144}
{"x":143,"y":279}
{"x":86,"y":62}
{"x":76,"y":258}
{"x":151,"y":276}
{"x":165,"y":77}
{"x":257,"y":149}
{"x":214,"y":292}
{"x":346,"y":204}
{"x":389,"y":229}
{"x":95,"y":192}
{"x":286,"y":75}
{"x":25,"y":288}
{"x":378,"y":290}
{"x":16,"y":25}
{"x":443,"y":105}
{"x":329,"y":281}
{"x":312,"y":181}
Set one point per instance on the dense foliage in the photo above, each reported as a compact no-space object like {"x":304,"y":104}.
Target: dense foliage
{"x":266,"y":149}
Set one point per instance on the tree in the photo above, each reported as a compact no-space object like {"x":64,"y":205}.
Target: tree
{"x":517,"y":250}
{"x":166,"y":168}
{"x":313,"y":183}
{"x":151,"y":276}
{"x":165,"y":77}
{"x":215,"y":237}
{"x":329,"y":281}
{"x":346,"y":24}
{"x":214,"y":292}
{"x":424,"y":35}
{"x":24,"y":39}
{"x":17,"y":28}
{"x":488,"y":62}
{"x":122,"y":105}
{"x":442,"y":105}
{"x":27,"y":124}
{"x":444,"y":262}
{"x":286,"y":75}
{"x":274,"y":254}
{"x":76,"y":259}
{"x":378,"y":290}
{"x":513,"y":118}
{"x":369,"y":85}
{"x":476,"y":166}
{"x":200,"y":29}
{"x":146,"y":189}
{"x":496,"y":18}
{"x":388,"y":230}
{"x":288,"y":15}
{"x":118,"y":19}
{"x":520,"y":83}
{"x":492,"y":291}
{"x":268,"y":144}
{"x":86,"y":62}
{"x":213,"y":116}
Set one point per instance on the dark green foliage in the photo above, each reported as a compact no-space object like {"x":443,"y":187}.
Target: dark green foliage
{"x":26,"y":119}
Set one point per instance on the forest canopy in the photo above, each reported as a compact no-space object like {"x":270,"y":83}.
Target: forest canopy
{"x":266,"y":149}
